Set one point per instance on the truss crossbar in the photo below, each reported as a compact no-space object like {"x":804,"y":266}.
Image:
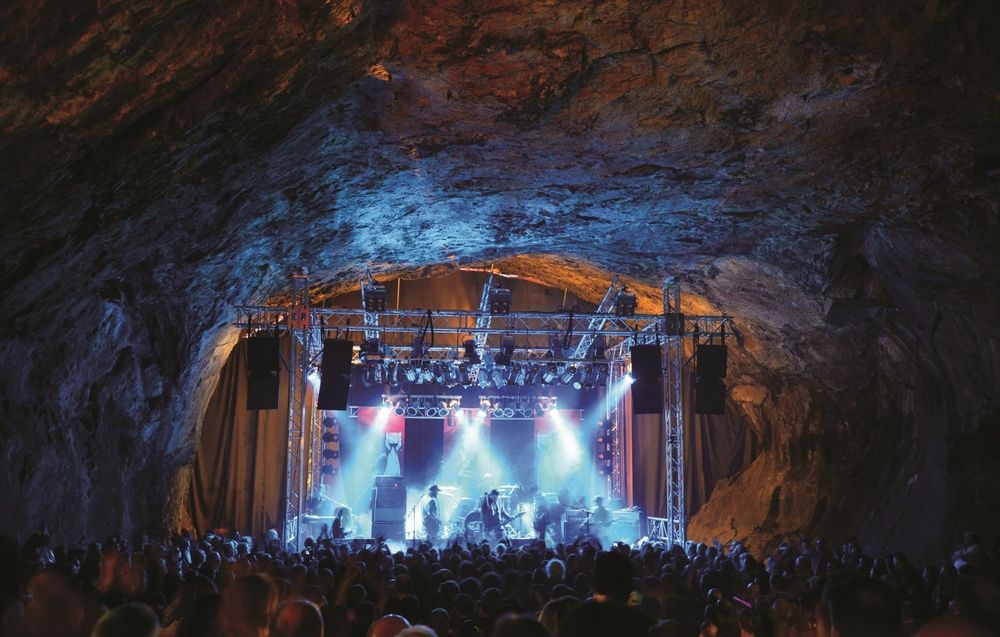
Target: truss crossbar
{"x":587,"y":339}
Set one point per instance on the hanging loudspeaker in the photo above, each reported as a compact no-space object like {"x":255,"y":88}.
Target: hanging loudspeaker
{"x":710,"y":361}
{"x":709,"y":396}
{"x":262,"y":354}
{"x":335,"y":385}
{"x":646,"y":362}
{"x":647,"y":396}
{"x":262,"y":389}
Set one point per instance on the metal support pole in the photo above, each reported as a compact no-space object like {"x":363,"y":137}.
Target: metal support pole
{"x":298,"y":420}
{"x":673,"y":413}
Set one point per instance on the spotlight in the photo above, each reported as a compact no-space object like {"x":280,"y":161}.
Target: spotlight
{"x":506,"y":354}
{"x":371,"y":348}
{"x":499,"y":301}
{"x":417,"y":348}
{"x":410,"y":374}
{"x":625,"y":302}
{"x":470,"y":351}
{"x":599,"y":348}
{"x":556,"y":349}
{"x":464,"y":377}
{"x":627,"y":379}
{"x":568,"y":376}
{"x":375,"y":297}
{"x":550,"y":373}
{"x":534,"y":376}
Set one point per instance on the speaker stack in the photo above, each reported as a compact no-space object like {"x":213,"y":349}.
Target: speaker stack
{"x":389,"y":512}
{"x":710,"y":368}
{"x":335,"y":383}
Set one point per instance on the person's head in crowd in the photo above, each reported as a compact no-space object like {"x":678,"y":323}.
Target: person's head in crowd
{"x":387,"y":626}
{"x":420,"y":630}
{"x":515,"y":626}
{"x":297,"y":618}
{"x":953,"y":626}
{"x":708,"y":629}
{"x":554,"y":613}
{"x":247,"y":606}
{"x":612,"y":577}
{"x":862,"y":607}
{"x":440,"y":620}
{"x":128,"y":620}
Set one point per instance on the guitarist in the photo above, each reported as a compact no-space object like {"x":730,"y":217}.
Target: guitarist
{"x":432,"y":515}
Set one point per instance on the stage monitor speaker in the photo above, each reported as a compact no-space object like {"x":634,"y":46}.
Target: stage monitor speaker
{"x":262,"y":389}
{"x":262,"y":354}
{"x":335,"y":384}
{"x":647,"y":362}
{"x":710,"y":361}
{"x":709,"y":396}
{"x":647,"y":397}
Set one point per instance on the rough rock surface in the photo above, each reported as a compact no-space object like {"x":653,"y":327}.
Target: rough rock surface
{"x":827,"y":173}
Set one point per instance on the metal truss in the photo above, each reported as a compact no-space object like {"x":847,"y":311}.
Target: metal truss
{"x":437,"y":406}
{"x":673,"y":414}
{"x":595,"y":325}
{"x":298,"y":321}
{"x":657,"y":529}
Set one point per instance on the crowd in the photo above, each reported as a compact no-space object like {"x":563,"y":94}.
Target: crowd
{"x":232,"y":586}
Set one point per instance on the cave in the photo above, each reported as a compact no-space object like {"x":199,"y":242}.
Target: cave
{"x":825,"y":174}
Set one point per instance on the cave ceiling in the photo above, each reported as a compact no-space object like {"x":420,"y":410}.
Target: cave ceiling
{"x":164,"y":162}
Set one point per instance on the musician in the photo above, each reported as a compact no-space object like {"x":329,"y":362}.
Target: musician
{"x":541,"y":518}
{"x":601,"y":521}
{"x":432,"y":515}
{"x":489,"y":509}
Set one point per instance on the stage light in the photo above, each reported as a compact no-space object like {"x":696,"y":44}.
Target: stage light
{"x":534,"y":376}
{"x":627,"y":379}
{"x":499,"y":300}
{"x":571,"y":377}
{"x":550,"y":373}
{"x":470,"y":351}
{"x":375,"y":297}
{"x":371,"y":348}
{"x":625,"y":302}
{"x":382,"y":417}
{"x":556,"y":348}
{"x":464,"y":379}
{"x":410,"y":374}
{"x":506,"y":354}
{"x":599,"y":348}
{"x":417,"y":348}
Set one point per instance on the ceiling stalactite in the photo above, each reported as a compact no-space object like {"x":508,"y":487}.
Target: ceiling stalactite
{"x":826,"y":174}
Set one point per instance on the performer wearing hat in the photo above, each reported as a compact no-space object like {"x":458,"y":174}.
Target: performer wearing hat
{"x":432,"y":516}
{"x":490,"y":511}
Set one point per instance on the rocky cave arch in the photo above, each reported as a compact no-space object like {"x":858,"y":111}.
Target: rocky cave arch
{"x":825,"y":174}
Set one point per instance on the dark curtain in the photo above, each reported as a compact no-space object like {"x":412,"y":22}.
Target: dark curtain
{"x":239,"y":470}
{"x":424,"y":450}
{"x":514,"y":444}
{"x":715,"y":447}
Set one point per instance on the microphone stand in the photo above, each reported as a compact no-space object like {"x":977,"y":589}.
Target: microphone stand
{"x":413,"y":516}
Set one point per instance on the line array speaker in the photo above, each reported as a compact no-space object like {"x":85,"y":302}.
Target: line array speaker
{"x":335,"y":385}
